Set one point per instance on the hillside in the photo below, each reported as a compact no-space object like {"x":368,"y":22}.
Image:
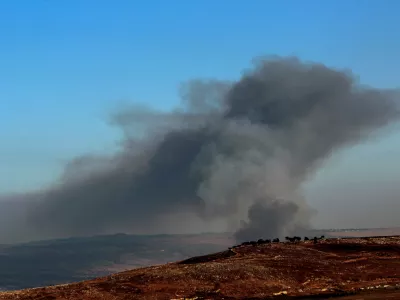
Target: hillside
{"x":367,"y":266}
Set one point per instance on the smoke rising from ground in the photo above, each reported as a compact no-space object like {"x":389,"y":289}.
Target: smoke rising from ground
{"x":234,"y":152}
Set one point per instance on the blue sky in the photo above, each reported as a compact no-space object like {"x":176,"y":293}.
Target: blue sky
{"x":65,"y":64}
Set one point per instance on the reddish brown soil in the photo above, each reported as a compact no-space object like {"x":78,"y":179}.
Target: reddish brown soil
{"x":359,"y":268}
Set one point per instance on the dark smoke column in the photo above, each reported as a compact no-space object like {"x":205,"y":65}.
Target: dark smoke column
{"x":233,"y":151}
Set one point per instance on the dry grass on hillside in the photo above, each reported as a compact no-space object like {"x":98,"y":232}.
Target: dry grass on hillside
{"x":333,"y":266}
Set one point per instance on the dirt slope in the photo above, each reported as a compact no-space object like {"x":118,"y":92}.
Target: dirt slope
{"x":366,"y":266}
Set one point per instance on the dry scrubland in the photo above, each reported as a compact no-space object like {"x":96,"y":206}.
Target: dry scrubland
{"x":356,"y":268}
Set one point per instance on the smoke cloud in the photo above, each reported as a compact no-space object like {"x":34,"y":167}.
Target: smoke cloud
{"x":236,"y":153}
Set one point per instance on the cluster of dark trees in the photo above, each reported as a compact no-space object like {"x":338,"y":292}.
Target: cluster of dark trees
{"x":259,"y":242}
{"x":294,"y":239}
{"x":298,"y":239}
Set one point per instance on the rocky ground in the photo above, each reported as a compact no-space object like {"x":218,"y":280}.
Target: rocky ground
{"x":356,"y":268}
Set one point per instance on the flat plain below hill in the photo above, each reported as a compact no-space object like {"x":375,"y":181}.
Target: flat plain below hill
{"x":353,"y":268}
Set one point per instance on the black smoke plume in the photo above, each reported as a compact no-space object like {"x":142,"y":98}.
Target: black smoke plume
{"x":234,"y":152}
